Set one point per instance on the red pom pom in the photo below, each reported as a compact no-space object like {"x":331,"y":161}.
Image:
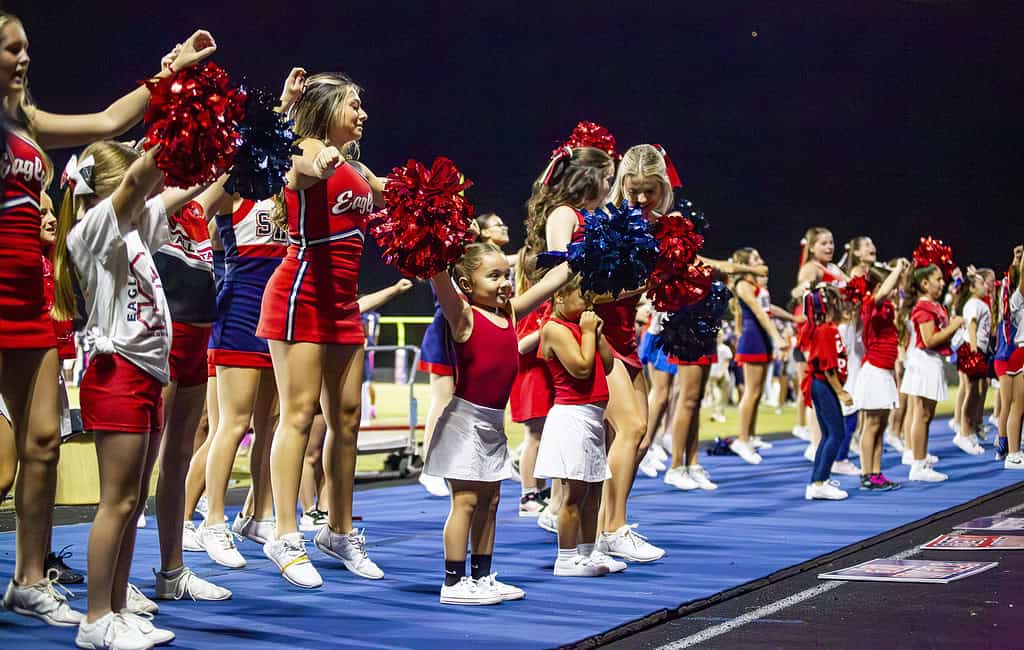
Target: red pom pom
{"x":933,"y":251}
{"x":856,"y":289}
{"x":424,"y":226}
{"x":591,"y":134}
{"x":671,"y":290}
{"x":193,"y":116}
{"x":971,"y":362}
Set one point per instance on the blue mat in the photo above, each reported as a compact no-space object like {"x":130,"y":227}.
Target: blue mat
{"x":755,"y":524}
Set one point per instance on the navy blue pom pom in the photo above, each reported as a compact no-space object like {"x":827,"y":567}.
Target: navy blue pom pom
{"x":692,"y":332}
{"x":617,"y":252}
{"x":685,"y":206}
{"x":266,"y":150}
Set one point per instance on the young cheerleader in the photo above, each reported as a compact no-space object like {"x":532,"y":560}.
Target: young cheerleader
{"x":1015,"y":369}
{"x":572,"y":448}
{"x":923,"y":379}
{"x":823,"y":386}
{"x":969,"y":341}
{"x":469,"y":448}
{"x":1005,"y":346}
{"x":875,"y":393}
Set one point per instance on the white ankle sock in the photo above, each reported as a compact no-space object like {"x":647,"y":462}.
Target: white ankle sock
{"x":568,"y":553}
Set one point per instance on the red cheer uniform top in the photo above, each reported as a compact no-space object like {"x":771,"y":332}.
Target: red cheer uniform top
{"x":532,"y":392}
{"x":571,"y":390}
{"x":64,"y":329}
{"x":881,"y":339}
{"x":926,"y":311}
{"x":825,"y":352}
{"x":487,"y":362}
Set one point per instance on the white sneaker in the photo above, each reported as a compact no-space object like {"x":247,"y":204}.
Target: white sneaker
{"x":141,"y":521}
{"x":630,"y":545}
{"x":954,"y":425}
{"x":922,"y":471}
{"x":350,"y":549}
{"x":112,"y":631}
{"x":312,"y":520}
{"x":190,"y":538}
{"x":203,"y":506}
{"x":187,"y":583}
{"x":893,"y":441}
{"x":701,"y":478}
{"x":136,"y":602}
{"x":845,"y":468}
{"x":435,"y":485}
{"x":968,"y":445}
{"x":718,"y":417}
{"x":43,"y":601}
{"x":1014,"y":461}
{"x":239,"y":524}
{"x":579,"y":566}
{"x":803,"y":433}
{"x":219,"y":543}
{"x":981,"y":432}
{"x":647,"y":466}
{"x":608,"y":562}
{"x":505,"y":591}
{"x":467,"y":592}
{"x":810,"y":451}
{"x":679,"y":478}
{"x":259,"y":530}
{"x":548,"y":521}
{"x":757,"y":443}
{"x":908,"y":458}
{"x":826,"y":491}
{"x":153,"y":634}
{"x":666,"y":443}
{"x":745,"y":451}
{"x":660,"y":455}
{"x":289,"y":554}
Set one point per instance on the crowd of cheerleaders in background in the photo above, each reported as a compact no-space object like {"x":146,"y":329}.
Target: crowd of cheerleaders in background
{"x":276,"y":185}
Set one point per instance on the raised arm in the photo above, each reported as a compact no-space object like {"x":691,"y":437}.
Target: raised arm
{"x":545,"y":288}
{"x":457,"y":311}
{"x":175,"y":198}
{"x":372,"y":301}
{"x":729,"y":267}
{"x":890,"y":282}
{"x":316,"y":162}
{"x":138,"y":183}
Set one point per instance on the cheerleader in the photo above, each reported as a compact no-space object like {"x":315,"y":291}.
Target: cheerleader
{"x":572,"y":449}
{"x":469,"y":448}
{"x":823,"y":386}
{"x":1005,"y":346}
{"x":874,"y":392}
{"x":661,"y":373}
{"x":923,"y":379}
{"x":29,"y":362}
{"x":971,"y":343}
{"x":1015,"y":369}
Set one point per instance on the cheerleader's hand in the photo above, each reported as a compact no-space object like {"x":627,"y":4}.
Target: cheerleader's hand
{"x":403,"y":285}
{"x":590,"y":321}
{"x":197,"y":48}
{"x":294,"y":86}
{"x":845,"y":398}
{"x":1018,"y":253}
{"x":761,"y":269}
{"x":956,"y":322}
{"x":168,"y":59}
{"x":328,"y":160}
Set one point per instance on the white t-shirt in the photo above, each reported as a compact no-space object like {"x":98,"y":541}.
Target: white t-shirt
{"x":721,"y":367}
{"x":127,"y":309}
{"x":1017,"y":314}
{"x":975,"y":310}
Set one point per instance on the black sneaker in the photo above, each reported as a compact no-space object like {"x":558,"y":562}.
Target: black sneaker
{"x":66,"y":575}
{"x":544,"y":495}
{"x":866,"y":484}
{"x":885,"y":483}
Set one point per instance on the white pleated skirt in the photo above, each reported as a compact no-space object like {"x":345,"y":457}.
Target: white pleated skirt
{"x":469,"y":444}
{"x":572,"y":444}
{"x":875,"y":389}
{"x":923,"y":376}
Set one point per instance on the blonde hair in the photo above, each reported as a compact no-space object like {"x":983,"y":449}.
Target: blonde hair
{"x":19,"y":108}
{"x":811,"y":237}
{"x":112,"y":162}
{"x":642,"y":161}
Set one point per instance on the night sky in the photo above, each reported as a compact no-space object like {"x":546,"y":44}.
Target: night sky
{"x":891,"y":119}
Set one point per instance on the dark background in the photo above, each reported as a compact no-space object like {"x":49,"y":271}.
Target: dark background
{"x":891,"y":119}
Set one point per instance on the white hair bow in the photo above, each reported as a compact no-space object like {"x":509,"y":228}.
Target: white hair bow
{"x":79,"y":175}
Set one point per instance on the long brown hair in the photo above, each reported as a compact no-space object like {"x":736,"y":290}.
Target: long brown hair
{"x":850,"y":259}
{"x":911,"y":294}
{"x":573,"y":182}
{"x":809,"y":240}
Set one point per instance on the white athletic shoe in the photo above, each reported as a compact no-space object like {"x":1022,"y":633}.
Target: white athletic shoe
{"x":219,"y":543}
{"x":630,"y":545}
{"x":350,"y":549}
{"x":908,"y":458}
{"x":467,"y":592}
{"x":954,"y":425}
{"x":660,"y":454}
{"x":289,"y":554}
{"x":141,"y":521}
{"x":153,"y":634}
{"x":745,"y":451}
{"x":505,"y":591}
{"x":548,"y":521}
{"x":701,"y":478}
{"x":239,"y":524}
{"x":893,"y":441}
{"x":679,"y":478}
{"x":922,"y":471}
{"x":259,"y":530}
{"x":757,"y":443}
{"x":136,"y":602}
{"x":435,"y":485}
{"x":43,"y":601}
{"x":968,"y":445}
{"x":203,"y":506}
{"x":190,"y":538}
{"x":607,"y":561}
{"x":810,"y":451}
{"x":1014,"y":461}
{"x":579,"y":566}
{"x":803,"y":433}
{"x":187,"y":583}
{"x":826,"y":491}
{"x":845,"y":468}
{"x":666,"y":443}
{"x":113,"y":632}
{"x":312,"y":520}
{"x":648,"y":467}
{"x":718,"y":417}
{"x":981,"y":432}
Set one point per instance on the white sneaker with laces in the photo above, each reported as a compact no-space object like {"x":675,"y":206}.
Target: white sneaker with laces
{"x":203,"y":506}
{"x":922,"y":471}
{"x":187,"y":583}
{"x":137,"y":602}
{"x":143,"y":623}
{"x":908,"y":458}
{"x":580,"y":566}
{"x":803,"y":433}
{"x":467,"y":592}
{"x":607,"y":561}
{"x":825,"y":491}
{"x":219,"y":543}
{"x":628,"y":544}
{"x":845,"y":468}
{"x":745,"y":451}
{"x":893,"y":441}
{"x":701,"y":478}
{"x":190,"y":539}
{"x":648,"y":467}
{"x":312,"y":520}
{"x":505,"y":591}
{"x":350,"y":549}
{"x":435,"y":485}
{"x":259,"y":530}
{"x":112,"y":631}
{"x":810,"y":451}
{"x":757,"y":443}
{"x":659,"y":453}
{"x":239,"y":524}
{"x":548,"y":521}
{"x":42,"y":601}
{"x":968,"y":445}
{"x":289,"y":554}
{"x":679,"y":478}
{"x":1014,"y":461}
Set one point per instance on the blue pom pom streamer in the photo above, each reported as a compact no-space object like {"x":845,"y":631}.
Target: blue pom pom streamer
{"x":692,"y":332}
{"x":265,"y":153}
{"x":617,"y":252}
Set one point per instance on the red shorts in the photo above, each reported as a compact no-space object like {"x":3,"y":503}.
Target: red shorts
{"x":211,"y":367}
{"x":188,"y":355}
{"x":117,"y":395}
{"x":706,"y":360}
{"x":1015,"y":363}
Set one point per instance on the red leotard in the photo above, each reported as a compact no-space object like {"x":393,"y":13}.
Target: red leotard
{"x":881,"y":339}
{"x":64,"y":329}
{"x":569,"y":389}
{"x":312,"y":294}
{"x":486,"y":363}
{"x":923,"y":312}
{"x":532,"y":392}
{"x":24,"y":318}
